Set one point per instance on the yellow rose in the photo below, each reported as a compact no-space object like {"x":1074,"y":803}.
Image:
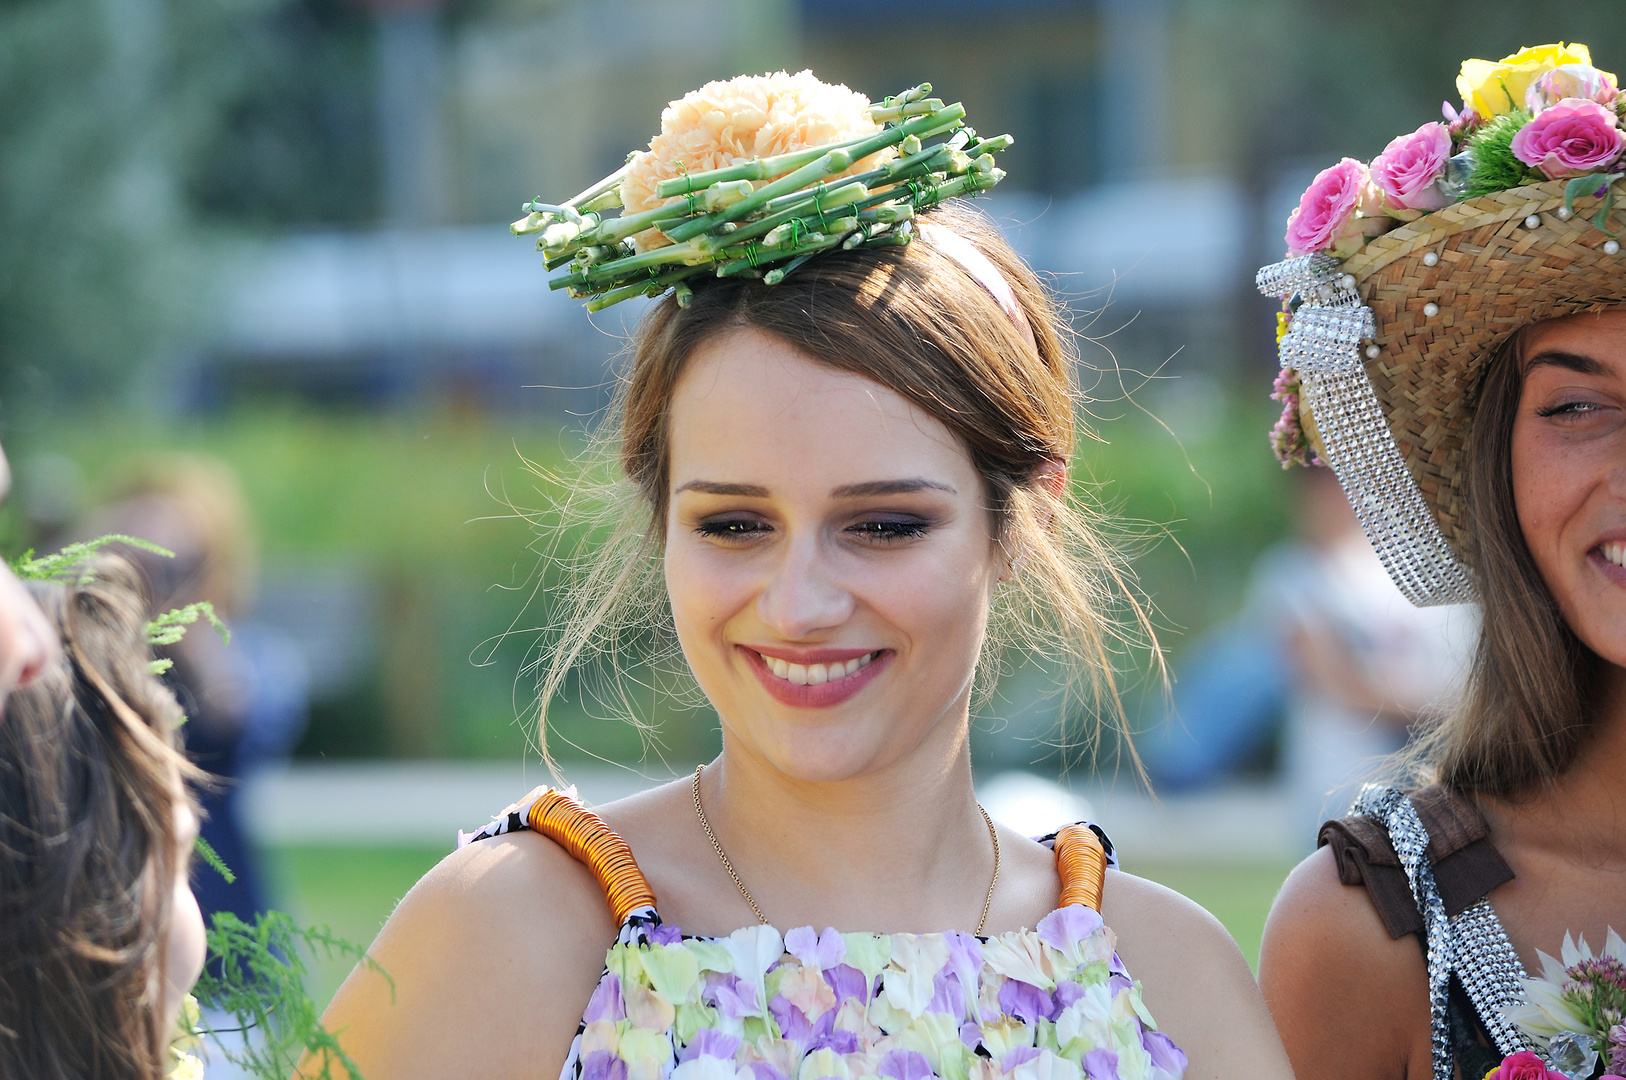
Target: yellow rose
{"x":1491,"y":89}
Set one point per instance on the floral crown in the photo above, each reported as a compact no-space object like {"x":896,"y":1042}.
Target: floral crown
{"x":1544,"y":113}
{"x":754,"y":176}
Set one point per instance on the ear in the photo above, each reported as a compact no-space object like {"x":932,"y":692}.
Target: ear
{"x":1050,"y":476}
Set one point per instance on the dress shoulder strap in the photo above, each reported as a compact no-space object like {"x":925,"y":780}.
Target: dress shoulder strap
{"x":1081,"y":858}
{"x":586,"y":838}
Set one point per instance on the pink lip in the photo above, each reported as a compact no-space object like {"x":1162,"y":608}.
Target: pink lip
{"x":1616,"y":574}
{"x":814,"y":697}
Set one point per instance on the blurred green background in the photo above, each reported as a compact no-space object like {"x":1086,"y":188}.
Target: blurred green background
{"x":271,"y":233}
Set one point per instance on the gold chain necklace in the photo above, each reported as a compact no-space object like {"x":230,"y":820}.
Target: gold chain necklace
{"x":987,"y":902}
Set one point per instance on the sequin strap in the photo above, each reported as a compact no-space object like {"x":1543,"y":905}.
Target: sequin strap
{"x":1471,"y":945}
{"x":586,"y":838}
{"x":1081,"y":859}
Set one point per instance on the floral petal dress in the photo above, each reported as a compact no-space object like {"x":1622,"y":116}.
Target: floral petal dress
{"x":1051,"y":1003}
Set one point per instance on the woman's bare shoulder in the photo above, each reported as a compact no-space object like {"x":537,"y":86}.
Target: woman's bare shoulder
{"x":505,"y":936}
{"x":1349,"y":1000}
{"x":1193,"y":979}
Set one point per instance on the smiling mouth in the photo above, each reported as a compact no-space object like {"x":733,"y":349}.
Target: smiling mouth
{"x":816,"y":674}
{"x":1614,"y":551}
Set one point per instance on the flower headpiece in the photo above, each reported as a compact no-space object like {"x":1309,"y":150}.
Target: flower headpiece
{"x":754,"y":176}
{"x":1405,"y":273}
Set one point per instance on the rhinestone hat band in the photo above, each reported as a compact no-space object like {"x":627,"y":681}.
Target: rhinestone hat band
{"x":1323,"y":345}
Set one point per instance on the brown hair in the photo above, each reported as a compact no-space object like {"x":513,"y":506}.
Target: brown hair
{"x":89,"y":775}
{"x":1524,"y":714}
{"x":917,"y":322}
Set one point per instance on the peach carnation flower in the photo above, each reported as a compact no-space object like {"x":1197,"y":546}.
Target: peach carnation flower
{"x":751,"y":116}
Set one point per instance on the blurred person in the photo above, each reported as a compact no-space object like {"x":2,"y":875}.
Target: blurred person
{"x":100,"y":936}
{"x":834,"y":485}
{"x":246,"y":702}
{"x":1366,"y":664}
{"x":27,"y":644}
{"x":1465,"y":375}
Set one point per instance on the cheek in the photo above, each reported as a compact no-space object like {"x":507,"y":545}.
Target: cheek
{"x":186,"y":946}
{"x":1545,"y":491}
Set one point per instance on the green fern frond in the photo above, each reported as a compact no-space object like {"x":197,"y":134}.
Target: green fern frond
{"x":62,"y":564}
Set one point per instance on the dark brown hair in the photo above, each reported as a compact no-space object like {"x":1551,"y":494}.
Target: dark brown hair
{"x":917,"y":322}
{"x":1524,"y":714}
{"x":89,"y":778}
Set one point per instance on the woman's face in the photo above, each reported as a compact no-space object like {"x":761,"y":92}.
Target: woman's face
{"x":828,"y":557}
{"x":1569,"y":471}
{"x":184,"y":950}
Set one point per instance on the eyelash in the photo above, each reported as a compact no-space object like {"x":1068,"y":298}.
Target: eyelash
{"x":877,"y":531}
{"x":1569,"y":408}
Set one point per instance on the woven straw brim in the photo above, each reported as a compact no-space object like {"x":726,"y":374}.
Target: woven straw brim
{"x":1495,"y":274}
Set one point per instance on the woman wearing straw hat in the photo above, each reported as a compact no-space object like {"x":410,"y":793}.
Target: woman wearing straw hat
{"x":840,"y":465}
{"x":1454,"y":349}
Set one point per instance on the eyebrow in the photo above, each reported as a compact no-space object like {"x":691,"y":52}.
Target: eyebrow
{"x":846,"y":491}
{"x":1581,"y":365}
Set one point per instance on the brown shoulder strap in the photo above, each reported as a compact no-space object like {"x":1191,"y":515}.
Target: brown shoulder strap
{"x":586,"y":838}
{"x":1466,"y":865}
{"x":1082,"y":861}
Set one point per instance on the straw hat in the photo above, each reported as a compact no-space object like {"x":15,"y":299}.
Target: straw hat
{"x":1388,"y":347}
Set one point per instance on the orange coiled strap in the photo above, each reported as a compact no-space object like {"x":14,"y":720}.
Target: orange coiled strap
{"x":584,"y":835}
{"x":1082,"y":862}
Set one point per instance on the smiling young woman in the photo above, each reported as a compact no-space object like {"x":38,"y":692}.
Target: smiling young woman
{"x":1481,"y":436}
{"x":845,"y":483}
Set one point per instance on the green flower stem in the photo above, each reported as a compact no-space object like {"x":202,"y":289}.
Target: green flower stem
{"x":653,"y":286}
{"x":609,"y":183}
{"x":815,"y":242}
{"x":769,"y":168}
{"x":607,"y":272}
{"x":914,"y":93}
{"x":892,"y":114}
{"x":990,"y":146}
{"x":832,"y":162}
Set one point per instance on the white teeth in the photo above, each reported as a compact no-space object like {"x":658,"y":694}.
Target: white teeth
{"x":1615,"y":552}
{"x":818,"y":674}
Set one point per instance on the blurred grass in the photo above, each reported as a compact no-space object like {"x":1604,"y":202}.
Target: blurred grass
{"x":422,"y":502}
{"x":353,"y":889}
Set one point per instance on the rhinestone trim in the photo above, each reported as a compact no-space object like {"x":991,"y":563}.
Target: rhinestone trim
{"x":1323,"y":344}
{"x":1473,"y":945}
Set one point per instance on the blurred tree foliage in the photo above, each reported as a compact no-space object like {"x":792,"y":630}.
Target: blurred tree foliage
{"x":135,"y":134}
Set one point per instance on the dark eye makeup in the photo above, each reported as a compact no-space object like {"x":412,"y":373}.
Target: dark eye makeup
{"x":872,"y":530}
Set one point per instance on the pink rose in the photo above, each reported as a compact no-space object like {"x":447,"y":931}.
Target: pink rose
{"x":1571,"y":81}
{"x":1325,"y":218}
{"x":1523,"y":1066}
{"x":1571,"y":138}
{"x":1406,"y":170}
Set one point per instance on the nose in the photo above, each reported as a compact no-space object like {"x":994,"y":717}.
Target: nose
{"x":802,"y":595}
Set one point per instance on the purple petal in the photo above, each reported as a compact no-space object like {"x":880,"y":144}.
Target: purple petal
{"x":603,"y":1065}
{"x":905,"y":1065}
{"x":712,"y":1043}
{"x":665,"y":935}
{"x":792,"y":1021}
{"x":1019,"y":1055}
{"x":1101,"y":1065}
{"x":1118,"y":983}
{"x":1064,"y":928}
{"x":803,"y":944}
{"x":1024,"y":1001}
{"x":1116,"y":966}
{"x":947,"y":995}
{"x":1065,"y":994}
{"x":833,"y":1038}
{"x":606,"y":1003}
{"x":735,"y":998}
{"x":965,"y":959}
{"x":971,"y":1035}
{"x":1164,"y":1054}
{"x":763,"y":1071}
{"x":848,"y":982}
